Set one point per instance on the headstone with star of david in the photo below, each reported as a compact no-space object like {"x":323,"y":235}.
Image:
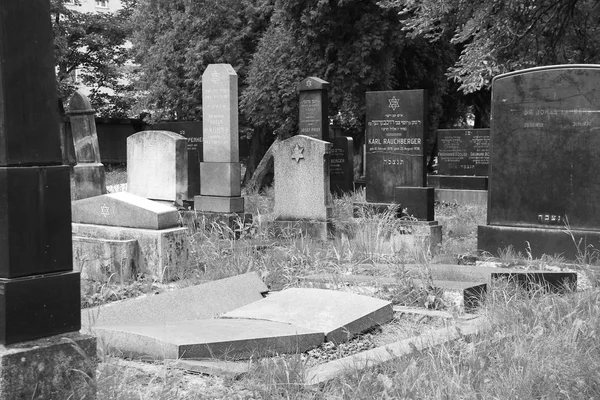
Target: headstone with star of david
{"x":396,"y":126}
{"x":314,"y":108}
{"x":302,"y":179}
{"x":220,"y":170}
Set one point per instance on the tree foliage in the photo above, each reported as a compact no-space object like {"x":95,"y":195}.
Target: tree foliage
{"x":94,"y":45}
{"x":498,"y":36}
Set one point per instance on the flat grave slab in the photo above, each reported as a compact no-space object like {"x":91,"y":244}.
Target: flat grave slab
{"x":192,"y":303}
{"x":464,"y":294}
{"x":126,"y":210}
{"x":223,"y":339}
{"x":340,"y":315}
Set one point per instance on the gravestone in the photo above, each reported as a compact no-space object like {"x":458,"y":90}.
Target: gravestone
{"x":157,"y":166}
{"x":463,"y":163}
{"x":89,"y":171}
{"x":192,"y":131}
{"x":302,"y":195}
{"x":220,"y":171}
{"x":39,"y":292}
{"x":395,"y":151}
{"x":341,"y":165}
{"x":314,"y":108}
{"x":544,"y":172}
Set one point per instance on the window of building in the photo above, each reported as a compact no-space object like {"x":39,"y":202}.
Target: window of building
{"x":102,"y":3}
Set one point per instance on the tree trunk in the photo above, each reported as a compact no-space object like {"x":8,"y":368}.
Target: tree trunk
{"x":264,"y":167}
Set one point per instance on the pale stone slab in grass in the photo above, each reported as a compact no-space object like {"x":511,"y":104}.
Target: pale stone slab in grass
{"x":223,"y":339}
{"x":163,"y":254}
{"x":340,"y":315}
{"x":191,"y":303}
{"x":125,"y":210}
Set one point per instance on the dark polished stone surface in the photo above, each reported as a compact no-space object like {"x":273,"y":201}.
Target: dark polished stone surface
{"x":341,"y":165}
{"x":39,"y":306}
{"x":29,"y":132}
{"x":457,"y":182}
{"x":314,"y":108}
{"x":396,"y":123}
{"x":463,"y":151}
{"x":35,"y":221}
{"x":545,"y":136}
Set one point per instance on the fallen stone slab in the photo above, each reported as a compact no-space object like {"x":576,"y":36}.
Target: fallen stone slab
{"x":554,"y":281}
{"x":191,"y":303}
{"x":226,"y":369}
{"x":339,"y":315}
{"x":370,"y":358}
{"x":222,"y":339}
{"x":125,"y":210}
{"x":467,"y":295}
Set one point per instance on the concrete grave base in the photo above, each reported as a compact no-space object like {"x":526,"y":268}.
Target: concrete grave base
{"x":90,"y":180}
{"x":100,"y":259}
{"x":56,"y":367}
{"x":462,"y":197}
{"x":538,"y":241}
{"x":219,"y":204}
{"x":222,"y":339}
{"x":320,"y":230}
{"x":162,"y":253}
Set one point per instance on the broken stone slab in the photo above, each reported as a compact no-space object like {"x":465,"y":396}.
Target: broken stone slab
{"x":163,"y":254}
{"x":339,"y":315}
{"x":202,"y":301}
{"x":467,"y":295}
{"x":370,"y":358}
{"x":222,"y":339}
{"x":124,"y":210}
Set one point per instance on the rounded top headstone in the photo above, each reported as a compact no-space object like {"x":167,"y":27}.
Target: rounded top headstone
{"x":80,"y":103}
{"x":313,"y":83}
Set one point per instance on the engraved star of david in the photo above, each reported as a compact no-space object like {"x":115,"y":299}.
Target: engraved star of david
{"x":297,"y":153}
{"x":308,"y":83}
{"x":215,"y":77}
{"x":104,"y":211}
{"x":394,"y":103}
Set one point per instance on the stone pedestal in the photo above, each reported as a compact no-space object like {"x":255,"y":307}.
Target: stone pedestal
{"x":457,"y":182}
{"x":103,"y":259}
{"x":89,"y":180}
{"x":53,"y":368}
{"x":162,"y":253}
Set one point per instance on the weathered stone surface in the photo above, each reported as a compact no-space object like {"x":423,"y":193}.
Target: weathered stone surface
{"x":314,"y":108}
{"x":543,"y":165}
{"x":191,"y":303}
{"x":35,"y":224}
{"x":157,"y":165}
{"x":90,"y":180}
{"x":83,"y":129}
{"x":163,"y":254}
{"x":39,"y":306}
{"x":302,"y":179}
{"x":220,"y":179}
{"x":223,"y":339}
{"x":339,"y":315}
{"x":395,"y":142}
{"x":124,"y":209}
{"x":220,"y":113}
{"x":102,"y":259}
{"x":216,"y":204}
{"x":53,"y":368}
{"x":463,"y":151}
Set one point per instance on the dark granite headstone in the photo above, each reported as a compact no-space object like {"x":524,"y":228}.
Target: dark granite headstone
{"x":463,"y":151}
{"x":314,"y":108}
{"x":341,"y":165}
{"x":35,"y":207}
{"x":395,"y":150}
{"x":192,"y":130}
{"x":544,"y":161}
